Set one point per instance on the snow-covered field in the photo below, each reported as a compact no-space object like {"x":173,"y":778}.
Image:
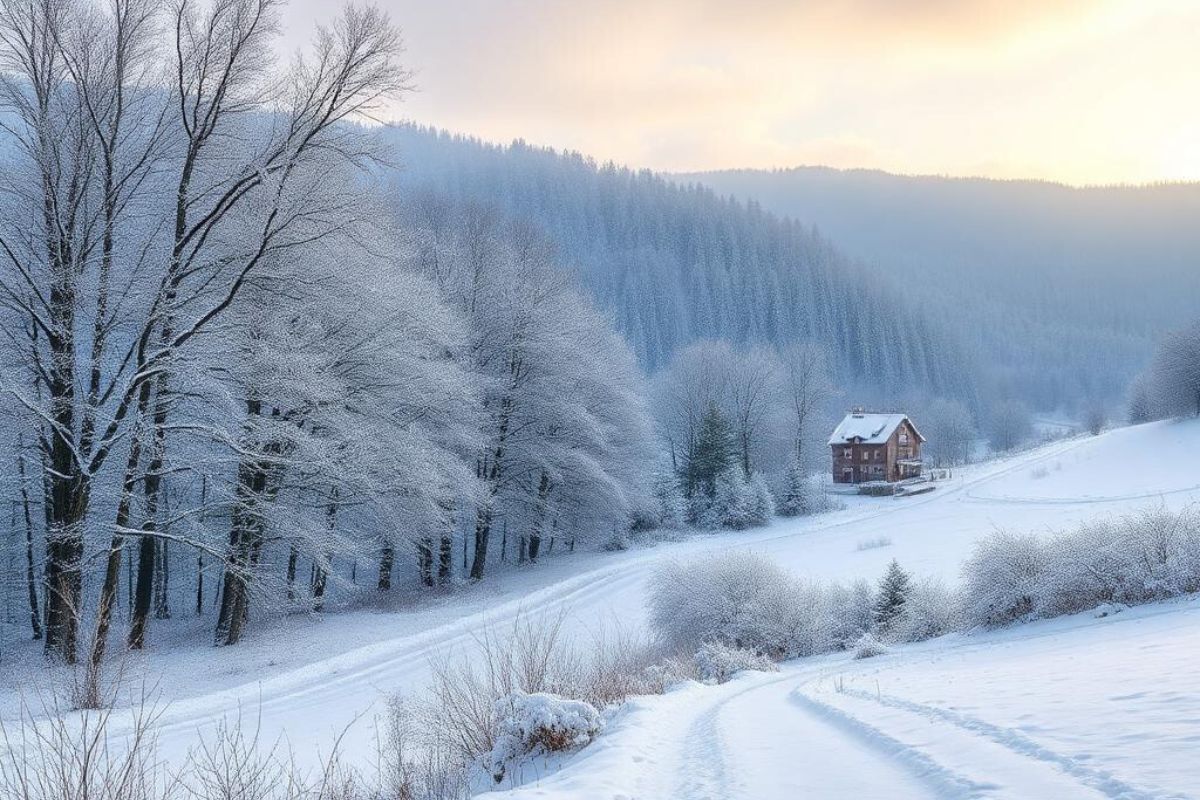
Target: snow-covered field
{"x":1069,"y":708}
{"x":1076,"y":707}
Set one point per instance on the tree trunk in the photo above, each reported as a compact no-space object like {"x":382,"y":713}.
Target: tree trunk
{"x":200,"y":585}
{"x":445,"y":567}
{"x":540,"y":516}
{"x":143,"y":592}
{"x":321,"y":580}
{"x":483,"y":529}
{"x":387,"y":557}
{"x":246,"y":534}
{"x":425,"y":560}
{"x":152,"y":494}
{"x":293,"y":556}
{"x":491,"y":472}
{"x":35,"y":621}
{"x":162,"y":583}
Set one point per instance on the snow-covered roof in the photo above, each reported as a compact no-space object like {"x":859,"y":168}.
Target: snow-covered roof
{"x":868,"y":428}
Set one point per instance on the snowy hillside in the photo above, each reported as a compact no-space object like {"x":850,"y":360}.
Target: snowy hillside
{"x":937,"y":705}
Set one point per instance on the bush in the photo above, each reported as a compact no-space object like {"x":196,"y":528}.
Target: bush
{"x":762,"y":506}
{"x":666,"y":507}
{"x":1137,"y":559}
{"x":717,"y":663}
{"x":735,"y":503}
{"x":1149,"y":556}
{"x":1003,"y":579}
{"x":741,"y":600}
{"x":930,"y":610}
{"x":851,"y":612}
{"x":868,"y":646}
{"x":538,"y":724}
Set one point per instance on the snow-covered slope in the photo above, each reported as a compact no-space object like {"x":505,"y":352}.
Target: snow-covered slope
{"x":321,"y":677}
{"x":1069,"y":708}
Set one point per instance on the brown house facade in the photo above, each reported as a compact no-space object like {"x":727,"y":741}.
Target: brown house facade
{"x":875,"y":447}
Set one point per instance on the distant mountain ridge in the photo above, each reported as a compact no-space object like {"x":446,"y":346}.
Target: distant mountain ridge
{"x":967,"y":288}
{"x":1062,"y":289}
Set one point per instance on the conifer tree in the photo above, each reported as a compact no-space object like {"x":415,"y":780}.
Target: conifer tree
{"x":711,"y":454}
{"x":893,"y":592}
{"x":796,"y":500}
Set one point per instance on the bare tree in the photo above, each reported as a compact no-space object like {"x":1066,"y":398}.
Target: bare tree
{"x":807,"y":389}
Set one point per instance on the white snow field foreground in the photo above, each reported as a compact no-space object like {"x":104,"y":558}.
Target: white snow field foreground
{"x":1075,"y":707}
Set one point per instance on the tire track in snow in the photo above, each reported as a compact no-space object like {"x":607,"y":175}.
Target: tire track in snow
{"x":944,"y":781}
{"x":1016,"y":742}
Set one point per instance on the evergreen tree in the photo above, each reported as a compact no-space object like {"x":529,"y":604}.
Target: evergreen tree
{"x":762,"y":502}
{"x":893,"y":592}
{"x":669,"y":507}
{"x":712,"y":453}
{"x":797,"y":490}
{"x":731,"y":504}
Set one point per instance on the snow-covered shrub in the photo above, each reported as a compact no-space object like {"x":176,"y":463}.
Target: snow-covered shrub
{"x":851,"y":612}
{"x":930,"y":610}
{"x":669,"y":671}
{"x":717,"y":663}
{"x":796,"y":497}
{"x":873,"y":544}
{"x":1004,"y":579}
{"x":1136,"y":559}
{"x":742,"y":600}
{"x":611,"y":665}
{"x":868,"y":646}
{"x":665,"y":507}
{"x":731,"y":504}
{"x":538,"y":724}
{"x":762,"y":506}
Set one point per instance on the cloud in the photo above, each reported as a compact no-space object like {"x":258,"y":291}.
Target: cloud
{"x":1055,"y":89}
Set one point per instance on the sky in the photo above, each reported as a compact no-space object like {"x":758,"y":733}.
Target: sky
{"x":1076,"y":91}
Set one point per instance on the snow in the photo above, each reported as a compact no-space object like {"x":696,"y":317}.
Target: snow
{"x":1072,"y":708}
{"x":531,"y":723}
{"x":866,"y":428}
{"x":1087,"y":706}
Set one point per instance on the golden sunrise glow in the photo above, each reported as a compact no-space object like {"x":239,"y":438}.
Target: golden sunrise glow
{"x":1079,"y":91}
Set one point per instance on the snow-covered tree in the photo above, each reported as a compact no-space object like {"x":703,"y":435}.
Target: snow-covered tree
{"x":807,"y":391}
{"x":894,"y":589}
{"x":798,"y":493}
{"x":762,"y":501}
{"x":711,"y":455}
{"x":949,"y":430}
{"x":1176,"y":372}
{"x":1010,"y":425}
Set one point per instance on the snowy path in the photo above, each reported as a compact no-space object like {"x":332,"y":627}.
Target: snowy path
{"x":838,"y":728}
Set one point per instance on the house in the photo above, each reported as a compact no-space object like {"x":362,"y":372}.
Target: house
{"x":875,"y":447}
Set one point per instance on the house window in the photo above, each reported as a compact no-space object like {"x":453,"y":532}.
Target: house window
{"x":866,"y":454}
{"x":848,"y":453}
{"x":877,"y":469}
{"x":903,"y":437}
{"x":878,"y":454}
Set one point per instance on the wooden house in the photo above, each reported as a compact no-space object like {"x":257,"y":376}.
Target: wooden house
{"x":875,"y":447}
